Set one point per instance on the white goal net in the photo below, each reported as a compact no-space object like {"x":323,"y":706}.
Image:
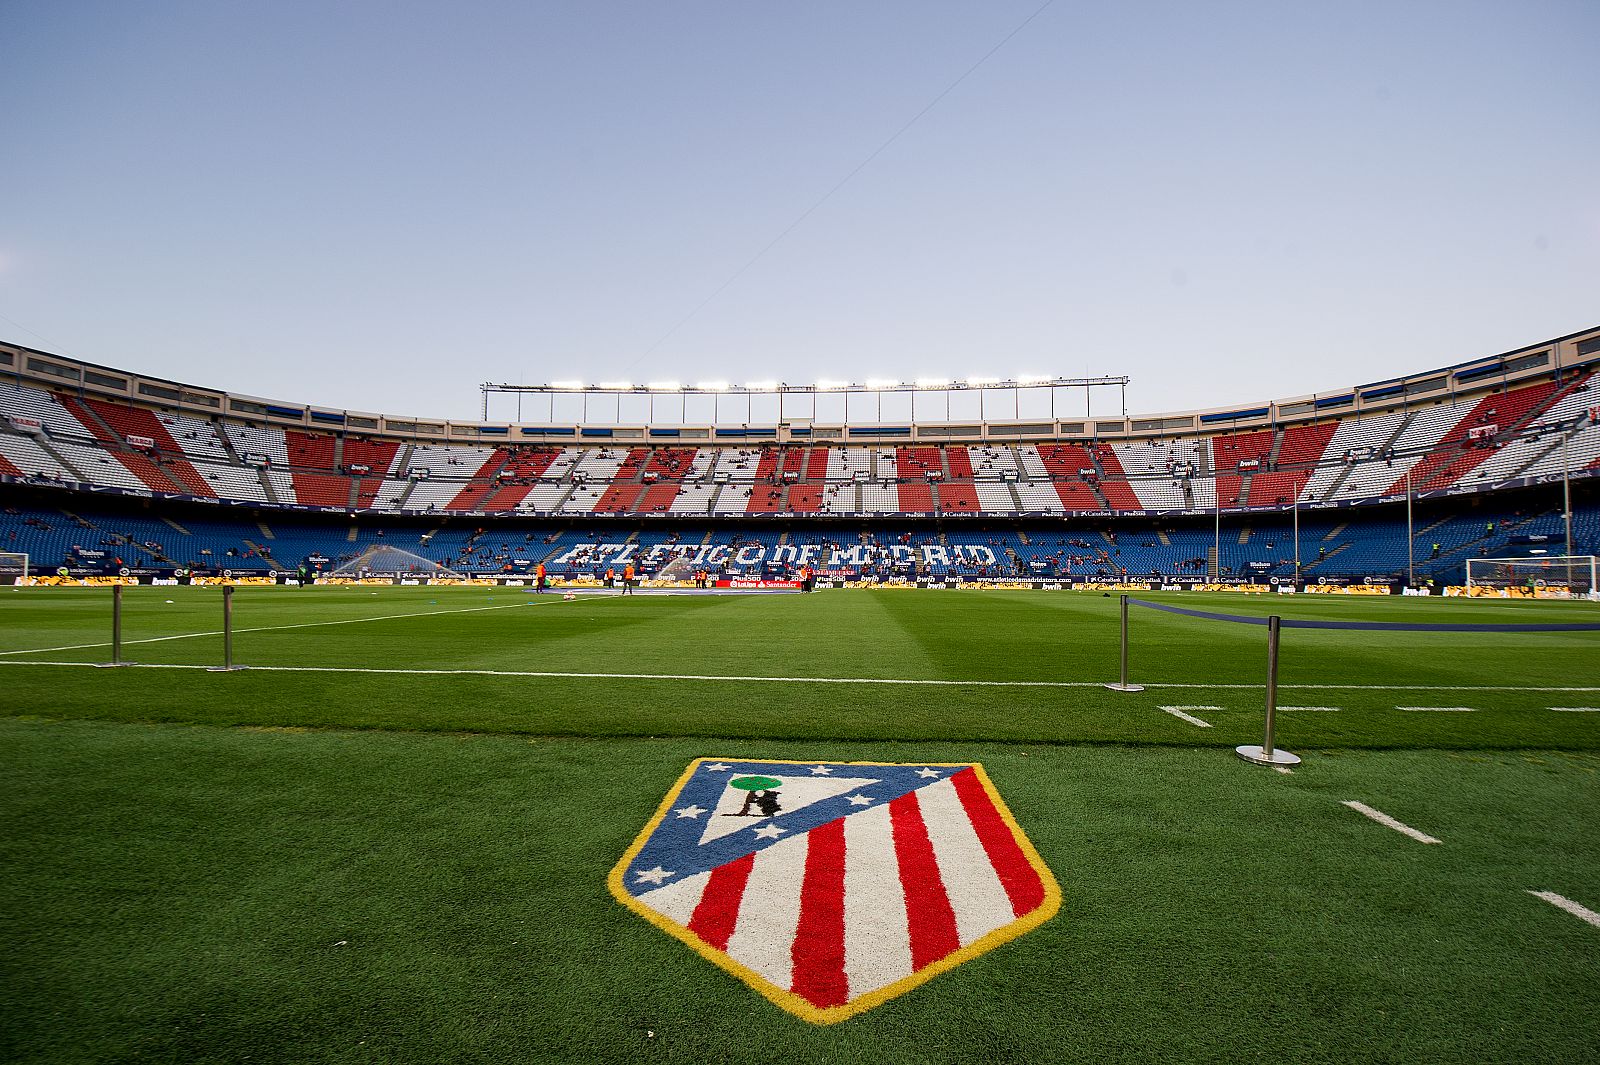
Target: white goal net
{"x":1548,"y":577}
{"x":14,"y":563}
{"x":381,"y":560}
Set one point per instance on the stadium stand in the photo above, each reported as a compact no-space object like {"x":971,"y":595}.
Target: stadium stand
{"x":1477,"y":445}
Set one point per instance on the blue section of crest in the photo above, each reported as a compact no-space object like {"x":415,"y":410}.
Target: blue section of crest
{"x":675,"y":844}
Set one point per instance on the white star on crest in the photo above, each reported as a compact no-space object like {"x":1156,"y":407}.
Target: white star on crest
{"x":820,"y":771}
{"x":719,"y":767}
{"x":859,"y":800}
{"x":926,"y":773}
{"x":689,"y":812}
{"x":653,"y":876}
{"x":769,"y":832}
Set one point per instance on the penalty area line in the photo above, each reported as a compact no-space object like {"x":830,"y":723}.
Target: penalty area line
{"x":279,"y":628}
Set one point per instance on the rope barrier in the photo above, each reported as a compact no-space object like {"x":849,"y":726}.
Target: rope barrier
{"x":1374,"y":626}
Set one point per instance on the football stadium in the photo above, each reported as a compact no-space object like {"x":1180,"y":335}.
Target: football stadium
{"x":922,"y":718}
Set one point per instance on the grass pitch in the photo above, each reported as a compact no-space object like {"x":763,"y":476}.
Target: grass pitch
{"x":1008,"y":666}
{"x":297,"y":865}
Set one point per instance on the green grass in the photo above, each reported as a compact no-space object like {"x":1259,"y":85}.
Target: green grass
{"x":1060,"y":637}
{"x":308,"y":867}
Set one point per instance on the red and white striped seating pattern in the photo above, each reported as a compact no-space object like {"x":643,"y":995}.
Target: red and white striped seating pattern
{"x":1480,"y":442}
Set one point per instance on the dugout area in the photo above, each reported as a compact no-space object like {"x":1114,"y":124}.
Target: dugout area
{"x":389,"y":838}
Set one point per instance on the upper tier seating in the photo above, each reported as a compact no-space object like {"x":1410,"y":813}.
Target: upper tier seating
{"x":1432,"y":447}
{"x":841,"y":497}
{"x":734,"y":498}
{"x":29,"y":459}
{"x":24,"y":402}
{"x":267,"y":441}
{"x":992,"y":463}
{"x":233,"y":482}
{"x":448,"y":461}
{"x":198,"y":439}
{"x":849,"y":464}
{"x":995,"y":497}
{"x":1538,"y":449}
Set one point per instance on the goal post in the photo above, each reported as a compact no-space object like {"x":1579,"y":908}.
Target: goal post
{"x":1545,"y":577}
{"x":14,"y":564}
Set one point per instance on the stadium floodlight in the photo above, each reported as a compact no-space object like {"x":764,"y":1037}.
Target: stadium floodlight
{"x":567,"y":386}
{"x":881,"y":382}
{"x":617,"y":386}
{"x":712,"y":386}
{"x":760,"y":386}
{"x":979,"y":382}
{"x":1031,"y":379}
{"x":932,"y":382}
{"x":664,"y":386}
{"x":831,"y":386}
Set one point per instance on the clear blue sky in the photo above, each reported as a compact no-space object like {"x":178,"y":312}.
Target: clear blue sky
{"x":379,"y":205}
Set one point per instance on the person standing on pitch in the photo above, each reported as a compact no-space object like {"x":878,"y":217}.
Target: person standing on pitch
{"x":538,"y":577}
{"x":627,"y":579}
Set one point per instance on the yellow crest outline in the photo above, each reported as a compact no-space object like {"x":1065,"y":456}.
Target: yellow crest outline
{"x":788,"y":1000}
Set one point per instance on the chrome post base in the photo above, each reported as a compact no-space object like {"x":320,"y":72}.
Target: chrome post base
{"x":1253,"y":752}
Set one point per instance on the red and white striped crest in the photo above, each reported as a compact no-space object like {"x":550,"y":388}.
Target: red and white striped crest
{"x":832,"y":887}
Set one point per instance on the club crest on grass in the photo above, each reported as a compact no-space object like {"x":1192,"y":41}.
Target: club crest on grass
{"x":832,"y":887}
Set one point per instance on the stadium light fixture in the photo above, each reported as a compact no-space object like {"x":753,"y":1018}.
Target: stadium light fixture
{"x":664,"y":386}
{"x":977,"y":382}
{"x":567,"y":386}
{"x":1031,"y":379}
{"x":712,"y":386}
{"x":831,"y":386}
{"x":932,"y":382}
{"x":881,"y":382}
{"x":617,"y":386}
{"x":760,"y":386}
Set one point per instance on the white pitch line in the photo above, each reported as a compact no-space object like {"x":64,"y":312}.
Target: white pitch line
{"x":1179,"y":712}
{"x":1576,"y":709}
{"x":1389,"y":822}
{"x":711,"y":677}
{"x":1581,"y":912}
{"x":1307,"y":709}
{"x":1440,"y":709}
{"x":1386,"y":687}
{"x":278,"y":628}
{"x":915,"y":682}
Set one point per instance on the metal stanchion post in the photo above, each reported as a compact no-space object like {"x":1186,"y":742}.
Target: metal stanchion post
{"x":116,"y":628}
{"x":227,"y":633}
{"x":1266,"y":754}
{"x":1122,"y":685}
